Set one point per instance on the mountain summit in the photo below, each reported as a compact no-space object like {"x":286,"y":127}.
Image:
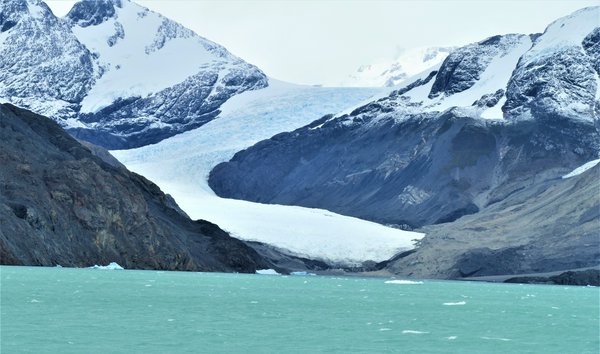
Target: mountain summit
{"x":115,"y":73}
{"x":406,"y":63}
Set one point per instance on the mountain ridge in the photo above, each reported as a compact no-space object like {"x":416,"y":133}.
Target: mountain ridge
{"x":109,"y":71}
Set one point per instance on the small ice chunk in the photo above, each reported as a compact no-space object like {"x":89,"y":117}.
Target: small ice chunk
{"x":267,"y":272}
{"x":458,"y":303}
{"x":110,"y":266}
{"x":401,"y":281}
{"x":410,"y":331}
{"x":496,"y":338}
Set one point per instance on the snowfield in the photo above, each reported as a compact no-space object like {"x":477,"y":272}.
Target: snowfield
{"x":180,"y":166}
{"x":389,"y":73}
{"x":581,"y":169}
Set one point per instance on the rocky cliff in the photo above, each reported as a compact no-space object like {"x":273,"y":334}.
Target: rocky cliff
{"x":62,"y":205}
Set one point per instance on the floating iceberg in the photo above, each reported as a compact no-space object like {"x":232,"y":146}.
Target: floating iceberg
{"x":267,"y":272}
{"x":454,"y":303}
{"x":403,"y":282}
{"x":111,"y":266}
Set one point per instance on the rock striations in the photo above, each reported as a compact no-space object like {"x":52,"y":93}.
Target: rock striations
{"x":61,"y":205}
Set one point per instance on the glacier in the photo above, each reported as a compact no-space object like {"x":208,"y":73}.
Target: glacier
{"x":180,"y":166}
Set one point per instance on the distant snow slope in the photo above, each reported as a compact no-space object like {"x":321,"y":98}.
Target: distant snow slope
{"x":180,"y":166}
{"x":581,"y":169}
{"x":393,"y":72}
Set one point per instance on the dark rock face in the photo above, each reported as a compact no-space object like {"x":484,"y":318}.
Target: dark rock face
{"x":558,"y":81}
{"x":92,"y":12}
{"x":490,"y":99}
{"x":546,"y":226}
{"x":591,"y":45}
{"x":545,"y":87}
{"x":463,"y":66}
{"x":586,"y":277}
{"x":60,"y":204}
{"x":423,"y":170}
{"x":197,"y":104}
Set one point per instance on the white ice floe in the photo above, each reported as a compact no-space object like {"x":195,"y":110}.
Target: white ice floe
{"x":410,"y":331}
{"x":267,"y":272}
{"x":400,"y":281}
{"x":496,"y":338}
{"x":111,"y":266}
{"x":458,"y":303}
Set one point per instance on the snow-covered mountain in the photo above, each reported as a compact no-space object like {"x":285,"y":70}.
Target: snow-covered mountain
{"x":407,"y":63}
{"x":115,"y":73}
{"x":510,"y":114}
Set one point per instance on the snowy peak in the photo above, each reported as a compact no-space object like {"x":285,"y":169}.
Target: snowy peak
{"x":42,"y":64}
{"x":558,"y":77}
{"x":568,"y":31}
{"x":92,"y":12}
{"x":115,"y":73}
{"x":406,"y":63}
{"x":465,"y":66}
{"x":549,"y":77}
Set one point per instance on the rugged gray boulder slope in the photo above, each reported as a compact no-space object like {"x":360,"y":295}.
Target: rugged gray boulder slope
{"x":114,"y":73}
{"x":61,"y":205}
{"x":547,"y":225}
{"x":499,"y":119}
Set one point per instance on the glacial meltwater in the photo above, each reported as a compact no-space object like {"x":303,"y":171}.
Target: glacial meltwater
{"x":61,"y":310}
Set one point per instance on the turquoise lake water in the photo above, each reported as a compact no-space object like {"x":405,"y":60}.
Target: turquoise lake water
{"x":61,"y":310}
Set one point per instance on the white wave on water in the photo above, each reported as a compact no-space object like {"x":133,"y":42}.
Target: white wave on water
{"x":385,"y":329}
{"x":111,"y":266}
{"x":267,"y":272}
{"x":410,"y":331}
{"x":497,"y":338}
{"x":400,"y":281}
{"x":451,"y":338}
{"x":458,"y":303}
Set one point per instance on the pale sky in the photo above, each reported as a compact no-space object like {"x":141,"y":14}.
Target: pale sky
{"x":323,"y":41}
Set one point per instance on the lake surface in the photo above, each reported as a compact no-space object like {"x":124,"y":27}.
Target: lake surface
{"x":61,"y":310}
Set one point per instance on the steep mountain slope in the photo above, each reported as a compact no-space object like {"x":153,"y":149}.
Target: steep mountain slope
{"x":61,"y":205}
{"x":410,"y":158}
{"x":115,"y":73}
{"x":180,"y":166}
{"x":495,"y":119}
{"x":394,"y":72}
{"x":552,"y":225}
